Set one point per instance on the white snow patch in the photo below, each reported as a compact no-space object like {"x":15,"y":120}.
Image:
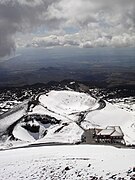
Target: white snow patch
{"x":68,"y":134}
{"x":22,"y":134}
{"x":83,"y":162}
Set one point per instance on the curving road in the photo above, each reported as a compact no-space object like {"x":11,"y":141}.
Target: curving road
{"x":83,"y":114}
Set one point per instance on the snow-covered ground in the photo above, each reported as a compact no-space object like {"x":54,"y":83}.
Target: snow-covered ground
{"x":68,"y":134}
{"x":7,"y":105}
{"x":112,"y":115}
{"x":60,"y":111}
{"x":12,"y":116}
{"x":66,"y":106}
{"x":76,"y":162}
{"x":67,"y":102}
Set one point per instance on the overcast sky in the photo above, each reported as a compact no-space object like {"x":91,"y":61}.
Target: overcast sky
{"x":50,"y":23}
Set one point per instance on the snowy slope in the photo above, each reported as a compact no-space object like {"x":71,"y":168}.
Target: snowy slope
{"x":22,"y":134}
{"x":67,"y":162}
{"x":68,"y":134}
{"x":43,"y":111}
{"x":112,"y":115}
{"x":60,"y":111}
{"x":66,"y":106}
{"x":67,"y":102}
{"x":12,"y":116}
{"x":71,"y":133}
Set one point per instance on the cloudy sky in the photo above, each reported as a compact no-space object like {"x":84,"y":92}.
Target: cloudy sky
{"x":50,"y":23}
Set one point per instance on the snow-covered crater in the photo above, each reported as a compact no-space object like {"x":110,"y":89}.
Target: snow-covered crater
{"x":67,"y":102}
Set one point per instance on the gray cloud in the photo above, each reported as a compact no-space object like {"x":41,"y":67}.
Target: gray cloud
{"x":99,"y":23}
{"x":21,"y":16}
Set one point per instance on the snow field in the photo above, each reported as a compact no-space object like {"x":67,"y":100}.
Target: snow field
{"x":76,"y":162}
{"x":68,"y":134}
{"x":111,"y":115}
{"x":65,"y":106}
{"x":67,"y":102}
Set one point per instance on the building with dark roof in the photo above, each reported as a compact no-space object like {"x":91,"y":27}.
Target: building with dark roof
{"x":111,"y":134}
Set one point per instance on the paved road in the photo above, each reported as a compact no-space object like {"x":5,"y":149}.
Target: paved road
{"x":83,"y":114}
